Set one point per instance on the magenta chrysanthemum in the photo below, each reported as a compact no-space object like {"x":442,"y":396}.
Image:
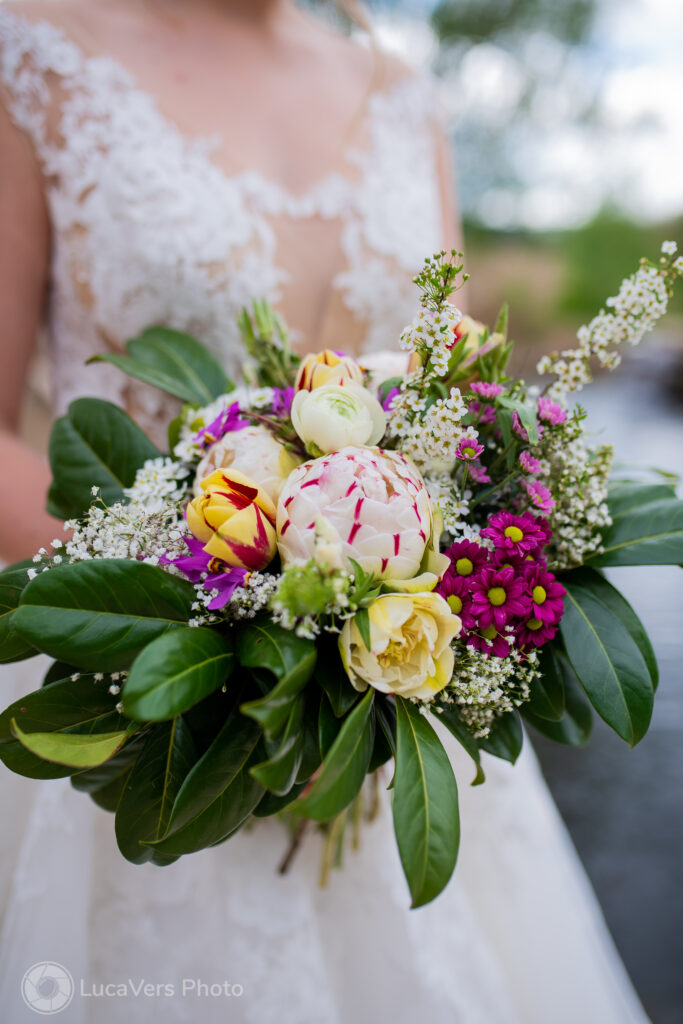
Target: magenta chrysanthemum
{"x":539,"y":496}
{"x":535,"y":632}
{"x":478,"y":473}
{"x":551,"y":412}
{"x":456,"y":590}
{"x":489,"y":641}
{"x":498,"y":596}
{"x":528,"y":463}
{"x":546,"y":595}
{"x":468,"y":449}
{"x":483,"y":414}
{"x":466,"y":558}
{"x":485,"y":389}
{"x":522,"y":535}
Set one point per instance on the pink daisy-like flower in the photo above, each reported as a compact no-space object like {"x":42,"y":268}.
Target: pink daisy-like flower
{"x":498,"y":596}
{"x":227,"y":420}
{"x":521,"y":431}
{"x":528,"y":463}
{"x":523,"y":535}
{"x":534,"y":631}
{"x":489,"y":641}
{"x":478,"y":473}
{"x":483,"y":414}
{"x":468,"y":449}
{"x":546,"y":594}
{"x":466,"y":558}
{"x":540,"y":496}
{"x":485,"y":389}
{"x":551,"y":412}
{"x":456,"y":590}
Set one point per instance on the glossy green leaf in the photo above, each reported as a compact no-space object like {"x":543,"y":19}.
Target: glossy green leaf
{"x":81,"y":706}
{"x":105,"y":782}
{"x":526,"y":414}
{"x":75,"y":750}
{"x":176,"y":671}
{"x":272,"y":804}
{"x":219,"y":792}
{"x":278,"y":774}
{"x":13,"y":580}
{"x":95,"y":445}
{"x":576,"y":724}
{"x":291,"y":659}
{"x":546,"y":695}
{"x":174,"y":362}
{"x":506,"y":737}
{"x":647,"y":535}
{"x":144,"y":810}
{"x":605,"y":655}
{"x":455,"y":725}
{"x":100,"y":614}
{"x":425,"y":808}
{"x":328,"y":727}
{"x":626,"y":495}
{"x":332,"y":677}
{"x":345,"y":766}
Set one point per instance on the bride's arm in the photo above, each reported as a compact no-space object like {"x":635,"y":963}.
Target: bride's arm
{"x":24,"y":261}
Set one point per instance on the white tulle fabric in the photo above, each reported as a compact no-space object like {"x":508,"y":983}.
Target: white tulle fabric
{"x":147,"y":229}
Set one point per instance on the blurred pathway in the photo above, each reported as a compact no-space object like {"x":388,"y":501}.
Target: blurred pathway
{"x":625,"y":808}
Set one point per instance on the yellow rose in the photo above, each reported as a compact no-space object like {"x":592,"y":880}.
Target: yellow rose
{"x":326,"y":367}
{"x":410,"y":652}
{"x":234,"y":519}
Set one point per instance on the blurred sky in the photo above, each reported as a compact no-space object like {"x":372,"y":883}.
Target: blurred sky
{"x":604,"y":126}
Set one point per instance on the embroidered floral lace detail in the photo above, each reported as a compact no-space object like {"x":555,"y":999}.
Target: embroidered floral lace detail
{"x":147,"y":229}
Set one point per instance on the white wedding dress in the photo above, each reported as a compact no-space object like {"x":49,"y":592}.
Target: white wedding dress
{"x":147,"y":228}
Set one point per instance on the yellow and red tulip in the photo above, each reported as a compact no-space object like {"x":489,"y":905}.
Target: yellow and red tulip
{"x":234,"y":519}
{"x":326,"y":367}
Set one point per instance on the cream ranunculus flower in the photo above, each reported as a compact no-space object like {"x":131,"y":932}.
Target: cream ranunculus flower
{"x":410,"y":653}
{"x":254,"y":452}
{"x":336,"y":415}
{"x":326,"y":367}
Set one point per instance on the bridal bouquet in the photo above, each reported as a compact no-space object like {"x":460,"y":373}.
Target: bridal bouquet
{"x":331,"y":566}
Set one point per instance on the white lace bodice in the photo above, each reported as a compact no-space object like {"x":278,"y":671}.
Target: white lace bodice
{"x":148,"y":229}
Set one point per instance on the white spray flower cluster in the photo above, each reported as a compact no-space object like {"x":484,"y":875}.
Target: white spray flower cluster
{"x":429,"y":433}
{"x":431,"y":336}
{"x":454,"y":509}
{"x":485,"y":687}
{"x":642,"y":300}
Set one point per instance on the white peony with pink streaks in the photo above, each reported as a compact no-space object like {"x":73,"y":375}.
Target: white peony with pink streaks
{"x":374,"y":501}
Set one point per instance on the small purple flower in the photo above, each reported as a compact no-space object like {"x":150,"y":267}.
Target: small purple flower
{"x":485,"y":389}
{"x":489,"y":641}
{"x":468,"y":449}
{"x":228,"y":420}
{"x":466,"y":558}
{"x":546,"y":595}
{"x":389,"y":397}
{"x":199,"y":566}
{"x":534,"y":631}
{"x":478,"y":474}
{"x":282,"y":402}
{"x":498,"y":596}
{"x":539,"y":496}
{"x":484,"y":414}
{"x":528,"y":463}
{"x":456,"y":590}
{"x":551,"y":412}
{"x":225,"y":583}
{"x":521,"y":431}
{"x":523,"y":535}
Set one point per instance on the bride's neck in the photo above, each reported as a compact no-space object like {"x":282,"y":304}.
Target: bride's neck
{"x":248,"y":10}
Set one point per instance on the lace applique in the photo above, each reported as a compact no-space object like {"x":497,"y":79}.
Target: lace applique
{"x":148,"y":229}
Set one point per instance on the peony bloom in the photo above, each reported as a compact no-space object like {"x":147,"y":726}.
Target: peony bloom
{"x":326,"y":367}
{"x":375,"y":502}
{"x":337,"y":415}
{"x":234,"y":519}
{"x":410,"y":652}
{"x":254,"y":452}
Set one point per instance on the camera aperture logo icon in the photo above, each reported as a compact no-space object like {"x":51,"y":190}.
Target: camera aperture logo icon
{"x":47,"y":987}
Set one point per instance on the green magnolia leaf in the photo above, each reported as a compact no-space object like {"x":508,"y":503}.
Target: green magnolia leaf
{"x":506,"y":737}
{"x":144,"y":810}
{"x":332,"y":677}
{"x":75,"y":750}
{"x":218,"y":794}
{"x":546,"y":695}
{"x":291,"y":659}
{"x":105,"y":782}
{"x":426,"y":817}
{"x":95,"y":445}
{"x":311,"y":756}
{"x":174,"y":362}
{"x":80,"y":706}
{"x":13,"y":580}
{"x":328,"y":727}
{"x":176,"y":671}
{"x":649,"y":534}
{"x":345,"y":766}
{"x":362,"y":620}
{"x":526,"y":414}
{"x":626,"y":495}
{"x":100,"y":614}
{"x":606,"y":655}
{"x":279,"y":773}
{"x":455,"y":725}
{"x":575,"y":726}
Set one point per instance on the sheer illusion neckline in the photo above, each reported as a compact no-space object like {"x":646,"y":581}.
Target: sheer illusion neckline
{"x":204,"y":146}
